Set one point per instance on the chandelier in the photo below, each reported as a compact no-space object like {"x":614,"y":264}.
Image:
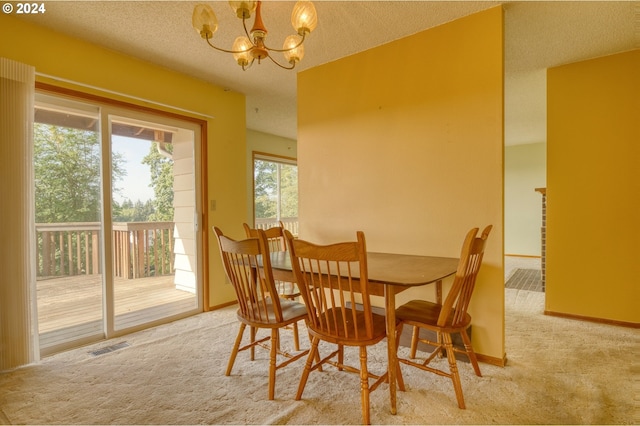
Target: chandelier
{"x":251,"y":46}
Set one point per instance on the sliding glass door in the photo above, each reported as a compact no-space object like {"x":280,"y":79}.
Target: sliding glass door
{"x":153,"y":213}
{"x":117,"y":221}
{"x":67,"y":164}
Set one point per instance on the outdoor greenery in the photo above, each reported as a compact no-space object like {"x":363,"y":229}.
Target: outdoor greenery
{"x":67,"y":185}
{"x":162,"y":182}
{"x":67,"y":174}
{"x":68,"y":188}
{"x":160,"y":208}
{"x":276,"y":190}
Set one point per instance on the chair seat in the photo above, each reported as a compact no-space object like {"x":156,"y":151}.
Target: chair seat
{"x":426,"y":314}
{"x":347,"y":336}
{"x":288,"y":291}
{"x":291,"y":312}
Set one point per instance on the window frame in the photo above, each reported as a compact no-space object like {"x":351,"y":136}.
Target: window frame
{"x":274,"y":158}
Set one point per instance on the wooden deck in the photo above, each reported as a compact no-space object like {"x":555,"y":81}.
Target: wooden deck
{"x":65,"y":302}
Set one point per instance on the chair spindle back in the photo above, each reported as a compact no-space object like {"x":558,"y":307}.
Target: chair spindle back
{"x":333,"y":281}
{"x":275,"y":236}
{"x":254,"y":286}
{"x":459,"y":296}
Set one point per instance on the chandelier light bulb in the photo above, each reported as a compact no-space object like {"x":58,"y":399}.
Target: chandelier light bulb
{"x":204,"y":20}
{"x":293,"y":54}
{"x":304,"y":17}
{"x":242,"y":46}
{"x":243,"y":9}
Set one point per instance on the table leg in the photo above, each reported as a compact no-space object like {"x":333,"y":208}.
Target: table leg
{"x":390,"y":313}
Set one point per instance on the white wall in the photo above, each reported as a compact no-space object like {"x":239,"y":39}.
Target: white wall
{"x":524,"y":171}
{"x":184,"y":204}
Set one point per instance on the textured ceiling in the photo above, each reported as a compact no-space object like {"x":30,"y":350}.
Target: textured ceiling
{"x":538,"y":35}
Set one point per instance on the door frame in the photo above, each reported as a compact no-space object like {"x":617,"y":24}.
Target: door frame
{"x":200,"y":147}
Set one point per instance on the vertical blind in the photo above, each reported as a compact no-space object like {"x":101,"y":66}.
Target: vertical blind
{"x":18,"y":323}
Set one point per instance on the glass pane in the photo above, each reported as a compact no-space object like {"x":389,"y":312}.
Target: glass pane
{"x":288,"y":191}
{"x":275,"y":194}
{"x":68,"y":209}
{"x":153,"y":210}
{"x":266,"y":189}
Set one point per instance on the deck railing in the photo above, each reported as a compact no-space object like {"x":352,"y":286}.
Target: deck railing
{"x":290,"y":223}
{"x":141,"y":249}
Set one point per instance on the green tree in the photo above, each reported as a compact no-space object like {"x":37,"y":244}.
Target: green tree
{"x":67,"y":171}
{"x":265,"y":186}
{"x":289,"y":190}
{"x":132,"y":212}
{"x":266,"y":181}
{"x":161,"y":169}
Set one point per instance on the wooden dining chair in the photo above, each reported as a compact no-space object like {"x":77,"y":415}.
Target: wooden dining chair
{"x":259,"y":304}
{"x":333,"y":281}
{"x":449,"y":317}
{"x":286,"y":290}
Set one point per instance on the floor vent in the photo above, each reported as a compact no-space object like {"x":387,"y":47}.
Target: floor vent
{"x":108,"y":349}
{"x":526,"y":279}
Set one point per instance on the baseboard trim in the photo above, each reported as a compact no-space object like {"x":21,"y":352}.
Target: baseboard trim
{"x":500,"y":362}
{"x":593,"y":319}
{"x":223,"y":305}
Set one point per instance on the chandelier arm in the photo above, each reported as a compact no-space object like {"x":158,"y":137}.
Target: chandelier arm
{"x":246,"y":67}
{"x":223,"y":50}
{"x":280,"y":65}
{"x":286,"y":50}
{"x":246,"y":31}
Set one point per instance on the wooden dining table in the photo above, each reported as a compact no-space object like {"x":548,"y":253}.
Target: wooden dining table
{"x":389,"y":274}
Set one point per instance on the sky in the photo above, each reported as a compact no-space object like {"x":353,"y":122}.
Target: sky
{"x":135,"y":185}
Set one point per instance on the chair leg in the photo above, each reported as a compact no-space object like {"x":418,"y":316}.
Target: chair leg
{"x":399,"y":377}
{"x":340,"y":357}
{"x":275,"y":346}
{"x":441,"y":353}
{"x":253,"y":339}
{"x":470,"y":353}
{"x":414,"y":341}
{"x":453,"y":367}
{"x":317,"y":360}
{"x":364,"y":385}
{"x":296,"y":340}
{"x":313,"y":353}
{"x":234,"y":351}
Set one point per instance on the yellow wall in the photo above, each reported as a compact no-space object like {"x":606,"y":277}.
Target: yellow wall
{"x":593,"y":177}
{"x":405,"y":142}
{"x":70,"y":59}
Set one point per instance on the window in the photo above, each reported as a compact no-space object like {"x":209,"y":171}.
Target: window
{"x":275,"y":191}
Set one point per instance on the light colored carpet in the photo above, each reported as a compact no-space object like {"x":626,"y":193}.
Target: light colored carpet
{"x":559,"y":372}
